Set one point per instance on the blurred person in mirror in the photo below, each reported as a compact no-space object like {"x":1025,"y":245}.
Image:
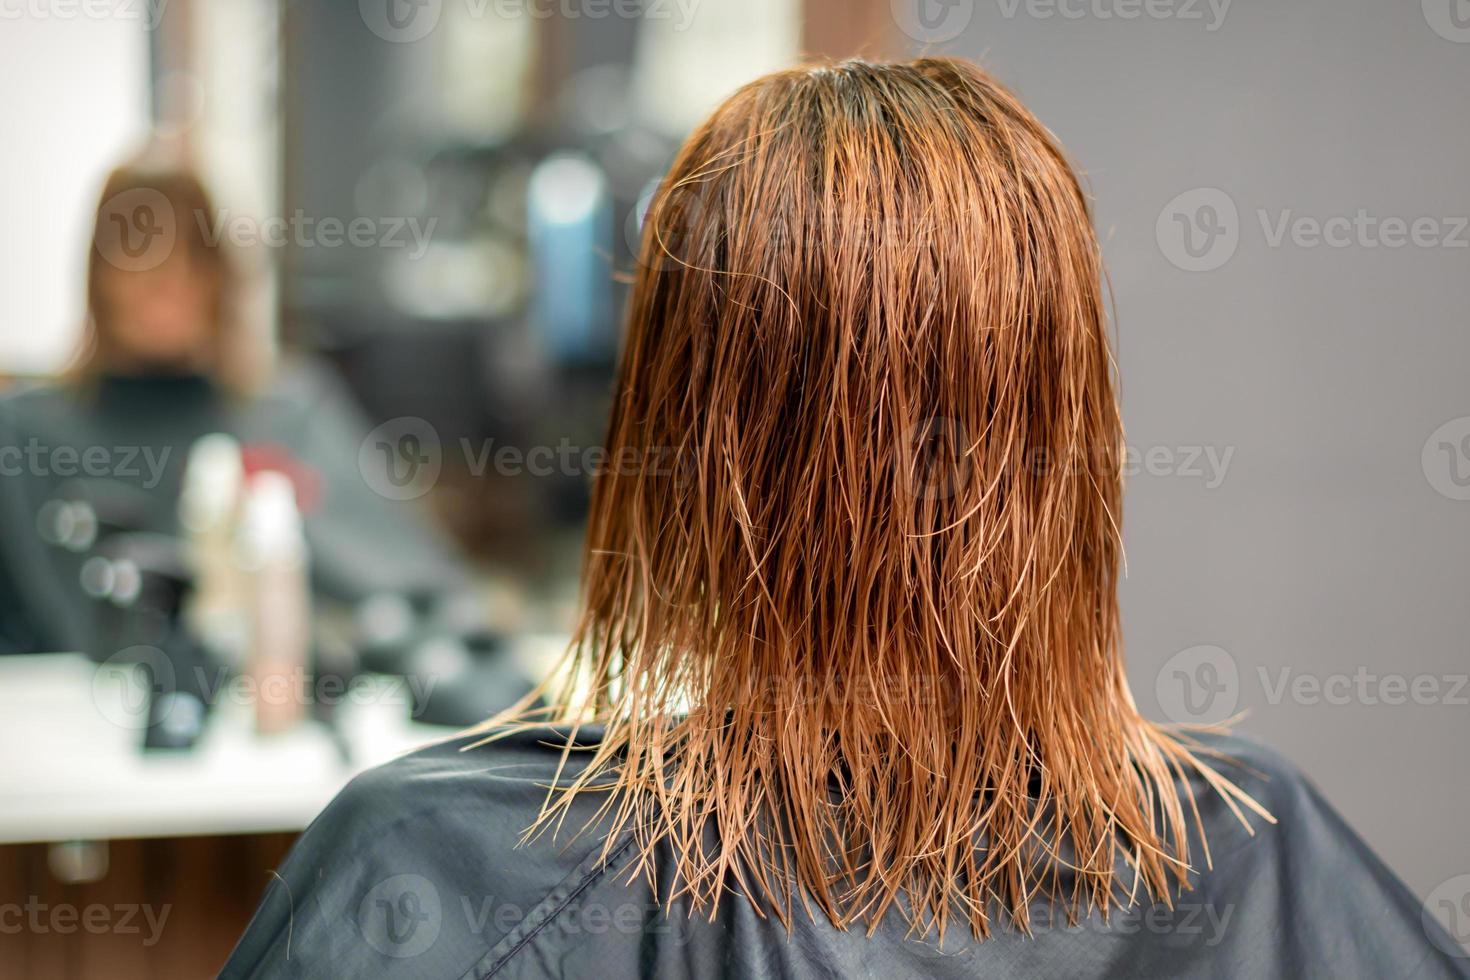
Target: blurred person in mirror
{"x":847,"y":697}
{"x":169,"y":355}
{"x":161,"y":288}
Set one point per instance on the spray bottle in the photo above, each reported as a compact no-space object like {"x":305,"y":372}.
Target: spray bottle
{"x":272,"y":554}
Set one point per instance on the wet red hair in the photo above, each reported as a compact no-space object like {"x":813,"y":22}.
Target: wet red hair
{"x":858,"y":603}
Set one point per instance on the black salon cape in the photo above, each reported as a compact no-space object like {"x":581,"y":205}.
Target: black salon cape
{"x":414,"y":872}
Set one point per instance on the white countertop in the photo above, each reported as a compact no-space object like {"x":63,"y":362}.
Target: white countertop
{"x":72,"y":766}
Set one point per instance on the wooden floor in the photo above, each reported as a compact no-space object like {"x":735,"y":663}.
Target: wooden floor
{"x":165,"y":908}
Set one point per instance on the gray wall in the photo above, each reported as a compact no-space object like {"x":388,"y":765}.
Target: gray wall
{"x":1338,"y":540}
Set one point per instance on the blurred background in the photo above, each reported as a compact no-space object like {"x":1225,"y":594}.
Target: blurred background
{"x":271,"y":518}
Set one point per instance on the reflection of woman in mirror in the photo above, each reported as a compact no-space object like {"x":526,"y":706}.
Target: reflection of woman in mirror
{"x":166,"y":357}
{"x":162,"y":290}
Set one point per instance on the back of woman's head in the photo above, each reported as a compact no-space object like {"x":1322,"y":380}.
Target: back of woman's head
{"x":851,"y":569}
